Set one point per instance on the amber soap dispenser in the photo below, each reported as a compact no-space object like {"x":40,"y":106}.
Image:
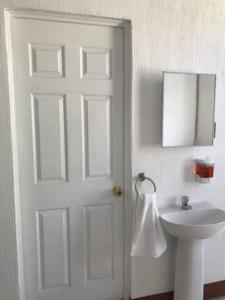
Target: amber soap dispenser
{"x":204,"y":170}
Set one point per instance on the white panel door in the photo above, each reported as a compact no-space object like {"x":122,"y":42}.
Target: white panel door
{"x":68,"y":103}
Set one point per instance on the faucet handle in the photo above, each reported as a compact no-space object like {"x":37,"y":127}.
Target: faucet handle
{"x":184,"y":200}
{"x":185,"y":205}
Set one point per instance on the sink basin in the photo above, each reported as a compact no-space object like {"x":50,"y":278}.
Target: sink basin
{"x":194,"y":224}
{"x":191,"y":228}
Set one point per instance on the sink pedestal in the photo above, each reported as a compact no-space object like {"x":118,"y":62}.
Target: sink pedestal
{"x":189,"y":276}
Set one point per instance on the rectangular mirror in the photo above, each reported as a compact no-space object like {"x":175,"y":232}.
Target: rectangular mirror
{"x":188,"y":109}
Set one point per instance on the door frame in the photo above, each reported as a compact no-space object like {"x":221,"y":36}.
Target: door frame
{"x":10,"y":13}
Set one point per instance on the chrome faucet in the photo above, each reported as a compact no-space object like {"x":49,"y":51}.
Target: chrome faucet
{"x":185,"y":205}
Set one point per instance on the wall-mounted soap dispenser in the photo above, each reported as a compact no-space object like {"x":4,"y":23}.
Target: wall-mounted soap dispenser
{"x":204,"y":169}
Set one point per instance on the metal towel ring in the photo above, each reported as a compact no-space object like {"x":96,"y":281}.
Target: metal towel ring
{"x":140,"y":178}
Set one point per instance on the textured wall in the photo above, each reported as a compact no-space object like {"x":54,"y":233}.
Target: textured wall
{"x":175,"y":35}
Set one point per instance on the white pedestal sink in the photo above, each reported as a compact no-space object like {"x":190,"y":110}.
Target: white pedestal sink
{"x":191,"y":228}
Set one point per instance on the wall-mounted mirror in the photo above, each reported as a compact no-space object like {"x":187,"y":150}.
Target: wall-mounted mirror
{"x":188,"y":109}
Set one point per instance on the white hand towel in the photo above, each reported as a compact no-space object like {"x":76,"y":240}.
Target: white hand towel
{"x":148,"y":238}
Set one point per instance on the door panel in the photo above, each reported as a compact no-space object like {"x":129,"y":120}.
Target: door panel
{"x":68,"y":80}
{"x":97,"y":136}
{"x":52,"y":231}
{"x":46,"y":60}
{"x":99,"y":251}
{"x":48,"y":122}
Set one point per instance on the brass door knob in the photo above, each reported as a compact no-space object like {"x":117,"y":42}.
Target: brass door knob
{"x":117,"y":191}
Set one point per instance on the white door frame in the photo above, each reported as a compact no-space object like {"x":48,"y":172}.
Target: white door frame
{"x":72,"y":18}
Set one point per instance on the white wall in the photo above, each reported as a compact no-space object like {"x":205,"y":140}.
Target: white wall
{"x":172,"y":35}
